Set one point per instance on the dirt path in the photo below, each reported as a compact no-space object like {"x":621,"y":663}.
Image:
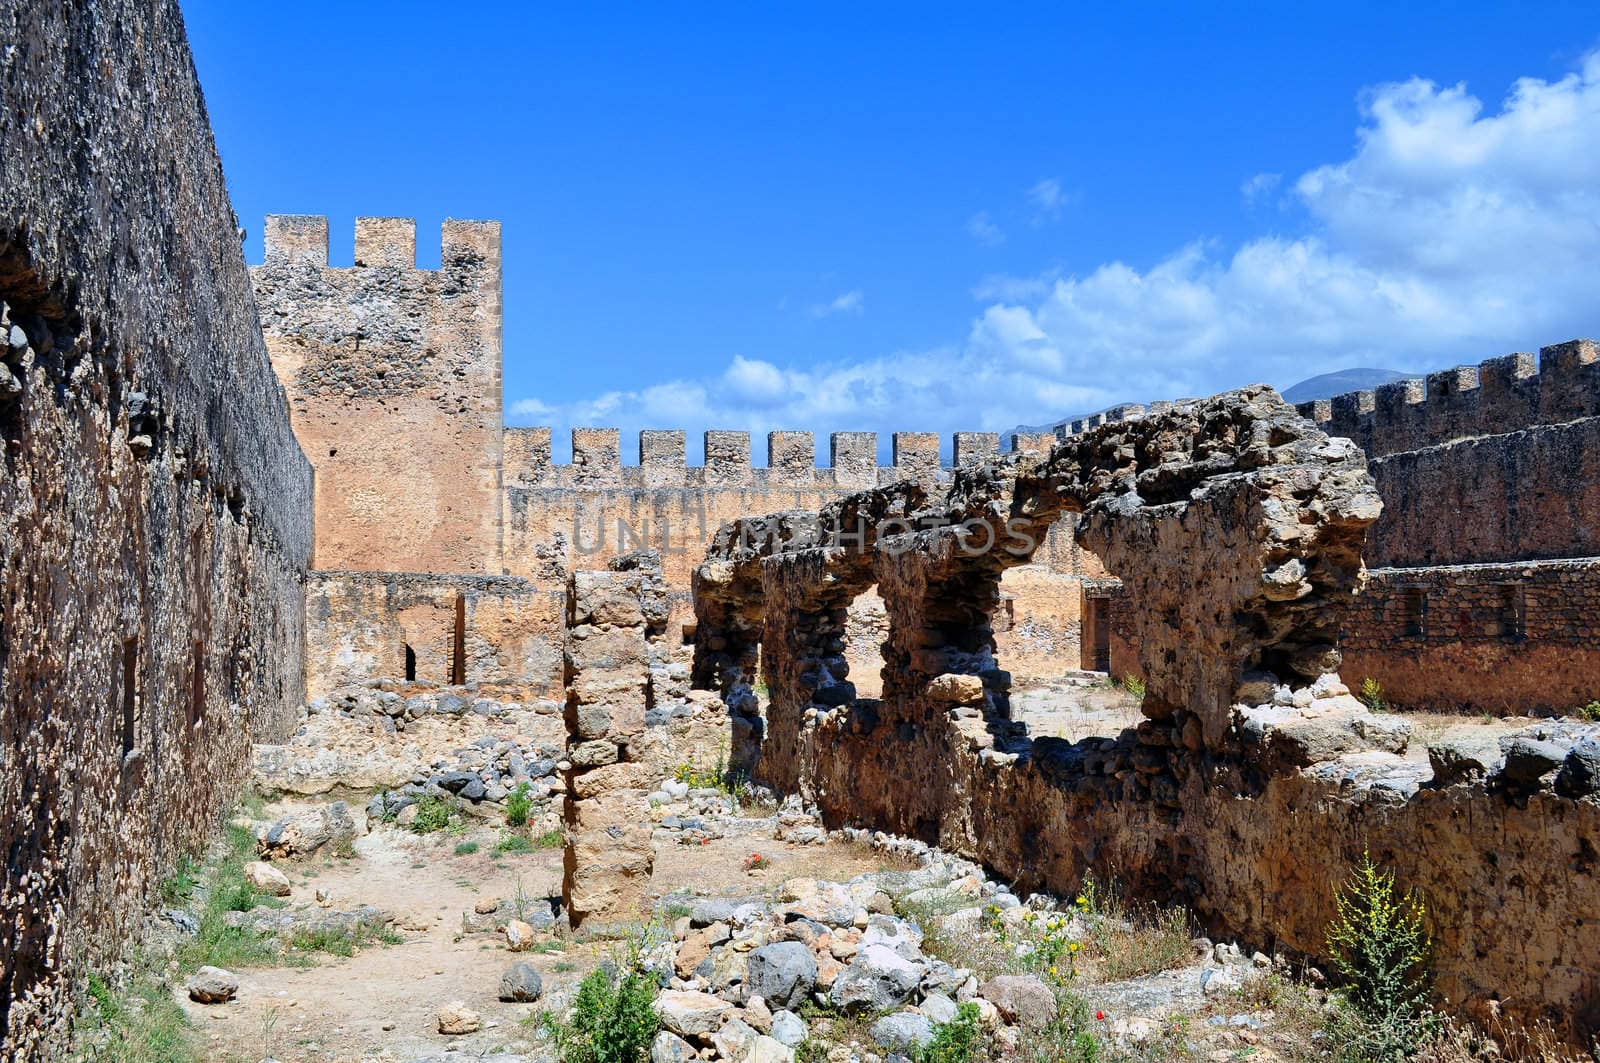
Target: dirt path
{"x":382,"y":1003}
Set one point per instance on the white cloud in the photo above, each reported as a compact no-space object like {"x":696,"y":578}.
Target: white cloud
{"x":1048,"y":199}
{"x":851,"y":302}
{"x":983,"y":229}
{"x":1452,"y":233}
{"x":1260,"y":186}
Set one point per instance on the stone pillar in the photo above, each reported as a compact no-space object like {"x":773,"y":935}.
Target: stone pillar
{"x":613,"y":618}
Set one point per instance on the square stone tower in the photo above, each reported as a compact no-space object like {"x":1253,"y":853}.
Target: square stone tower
{"x":393,"y":376}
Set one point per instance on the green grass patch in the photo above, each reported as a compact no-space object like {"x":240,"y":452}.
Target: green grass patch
{"x":514,"y":843}
{"x":343,"y":943}
{"x":227,"y":890}
{"x":466,"y":848}
{"x":176,"y":891}
{"x":139,"y":1023}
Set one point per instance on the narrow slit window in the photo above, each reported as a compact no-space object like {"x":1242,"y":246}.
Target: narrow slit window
{"x":197,"y":686}
{"x":130,"y":692}
{"x":411,"y":664}
{"x":1511,"y":611}
{"x":1413,"y":612}
{"x":458,"y":648}
{"x":689,"y":630}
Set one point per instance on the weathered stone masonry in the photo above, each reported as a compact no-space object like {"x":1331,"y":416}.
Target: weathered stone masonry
{"x":575,"y":516}
{"x":393,"y":375}
{"x":1486,"y":561}
{"x":155,"y":510}
{"x":615,"y":619}
{"x":1256,"y":777}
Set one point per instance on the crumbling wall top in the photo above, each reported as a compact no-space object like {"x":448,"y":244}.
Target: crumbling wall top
{"x":1493,"y":397}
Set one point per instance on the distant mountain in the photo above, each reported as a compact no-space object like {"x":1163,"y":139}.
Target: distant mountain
{"x":1328,"y":385}
{"x":1322,"y":386}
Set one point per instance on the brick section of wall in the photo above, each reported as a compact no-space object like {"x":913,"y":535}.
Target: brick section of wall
{"x":1507,"y":639}
{"x":155,"y":509}
{"x":359,"y":626}
{"x":1533,"y":493}
{"x":393,"y":375}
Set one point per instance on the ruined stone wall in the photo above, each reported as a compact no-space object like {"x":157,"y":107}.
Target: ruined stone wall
{"x":465,"y":629}
{"x":393,"y":375}
{"x":155,"y":511}
{"x":1524,"y":495}
{"x":562,"y":518}
{"x":614,"y":623}
{"x":1481,"y":466}
{"x":1255,"y":780}
{"x":1508,"y":877}
{"x":1505,"y":639}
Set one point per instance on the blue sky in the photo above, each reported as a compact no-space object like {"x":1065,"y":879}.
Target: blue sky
{"x":940,"y":217}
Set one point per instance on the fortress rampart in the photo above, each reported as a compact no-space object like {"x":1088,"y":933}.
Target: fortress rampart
{"x":389,"y":368}
{"x":155,"y":510}
{"x":393,"y":376}
{"x":1495,"y":396}
{"x":1485,"y":579}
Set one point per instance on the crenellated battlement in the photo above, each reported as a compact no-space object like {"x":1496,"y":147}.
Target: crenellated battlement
{"x":380,"y":243}
{"x":1494,"y":397}
{"x":791,"y":458}
{"x":393,"y":380}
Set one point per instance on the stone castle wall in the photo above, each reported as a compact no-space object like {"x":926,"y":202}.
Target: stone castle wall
{"x":463,"y":629}
{"x":155,"y":510}
{"x":568,"y":517}
{"x":393,"y":375}
{"x":1494,"y":397}
{"x":1506,"y":639}
{"x":1255,"y":782}
{"x":1490,"y":479}
{"x":394,"y":381}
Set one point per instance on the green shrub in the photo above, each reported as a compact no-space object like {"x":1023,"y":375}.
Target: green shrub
{"x":433,"y":814}
{"x":1591,"y":711}
{"x":957,"y":1041}
{"x":550,"y":839}
{"x":811,"y":1050}
{"x":519,"y":804}
{"x":613,"y":1018}
{"x":1070,"y":1038}
{"x":1133,"y":685}
{"x":466,"y":848}
{"x":513,"y":843}
{"x":1372,"y":695}
{"x":1379,"y":948}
